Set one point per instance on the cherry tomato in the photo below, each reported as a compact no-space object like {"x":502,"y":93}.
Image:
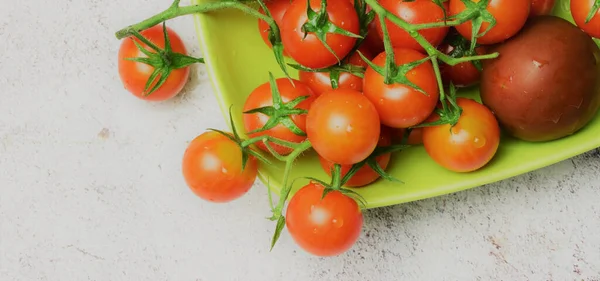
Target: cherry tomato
{"x":541,"y":7}
{"x":306,"y":49}
{"x":463,"y":74}
{"x":364,"y":175}
{"x":323,"y":227}
{"x":320,"y":82}
{"x":400,"y":105}
{"x":414,"y":12}
{"x":343,"y":126}
{"x":212,"y":168}
{"x":510,"y":16}
{"x":580,"y":10}
{"x":415,"y":137}
{"x":135,"y":75}
{"x":261,"y":97}
{"x":467,"y":146}
{"x":277,"y":9}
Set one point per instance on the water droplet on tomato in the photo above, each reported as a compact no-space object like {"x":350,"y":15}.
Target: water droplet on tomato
{"x":479,"y":142}
{"x":349,"y":129}
{"x":337,"y":222}
{"x":315,"y":230}
{"x":223,"y":170}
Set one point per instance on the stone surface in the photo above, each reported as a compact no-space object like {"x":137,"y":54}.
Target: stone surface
{"x":90,"y":192}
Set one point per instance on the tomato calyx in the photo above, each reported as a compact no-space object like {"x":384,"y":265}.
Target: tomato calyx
{"x":593,"y":11}
{"x":280,"y":112}
{"x":364,"y":18}
{"x":334,"y":71}
{"x":478,"y":14}
{"x":461,"y":47}
{"x":449,"y":113}
{"x":391,"y":72}
{"x":320,"y":24}
{"x":164,"y":61}
{"x":371,"y":161}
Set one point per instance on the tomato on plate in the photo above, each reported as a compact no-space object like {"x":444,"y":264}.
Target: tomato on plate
{"x":541,"y":7}
{"x":261,"y":97}
{"x":135,"y":75}
{"x":343,"y":126}
{"x":414,"y":12}
{"x":277,"y":9}
{"x":464,"y":74}
{"x":212,"y":168}
{"x":364,"y":175}
{"x":323,"y":227}
{"x":401,"y":105}
{"x":306,"y":49}
{"x":467,"y":146}
{"x":580,"y":9}
{"x":510,"y":16}
{"x":320,"y":82}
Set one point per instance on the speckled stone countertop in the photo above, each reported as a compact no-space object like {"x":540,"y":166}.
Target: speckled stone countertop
{"x":90,"y":192}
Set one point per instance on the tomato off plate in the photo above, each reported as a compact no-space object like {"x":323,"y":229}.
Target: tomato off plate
{"x":238,"y":61}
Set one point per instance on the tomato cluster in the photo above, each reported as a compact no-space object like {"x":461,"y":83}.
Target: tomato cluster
{"x":374,"y":77}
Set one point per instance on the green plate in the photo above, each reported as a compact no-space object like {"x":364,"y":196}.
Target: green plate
{"x":238,"y":61}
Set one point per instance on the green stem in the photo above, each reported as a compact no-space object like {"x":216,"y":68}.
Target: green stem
{"x":287,"y":188}
{"x":413,"y":31}
{"x":175,"y":11}
{"x":438,"y":76}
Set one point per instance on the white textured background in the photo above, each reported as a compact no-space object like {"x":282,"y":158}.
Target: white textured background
{"x":88,"y":192}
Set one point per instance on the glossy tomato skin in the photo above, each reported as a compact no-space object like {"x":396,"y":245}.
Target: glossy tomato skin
{"x":364,"y":175}
{"x":580,"y":10}
{"x":277,"y":9}
{"x":320,"y":82}
{"x":510,"y":16}
{"x":541,"y":7}
{"x":135,"y":75}
{"x":399,"y":105}
{"x":323,"y":227}
{"x":343,"y":126}
{"x":467,"y":146}
{"x":308,"y":50}
{"x":212,"y":168}
{"x":414,"y":12}
{"x":464,"y":74}
{"x":261,"y":97}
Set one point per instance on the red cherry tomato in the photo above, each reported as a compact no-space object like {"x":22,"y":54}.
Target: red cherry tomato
{"x":277,"y":9}
{"x":323,"y":227}
{"x":467,"y":146}
{"x":414,"y":12}
{"x":343,"y":126}
{"x":135,"y":75}
{"x":510,"y":16}
{"x":364,"y":175}
{"x":306,"y":49}
{"x":400,"y":105}
{"x":320,"y":82}
{"x":580,"y":10}
{"x":542,"y":7}
{"x":261,"y":97}
{"x":212,"y":168}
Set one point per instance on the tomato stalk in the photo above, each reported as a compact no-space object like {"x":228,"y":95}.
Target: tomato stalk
{"x":412,"y":29}
{"x":280,"y":112}
{"x":593,"y":11}
{"x":175,"y":10}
